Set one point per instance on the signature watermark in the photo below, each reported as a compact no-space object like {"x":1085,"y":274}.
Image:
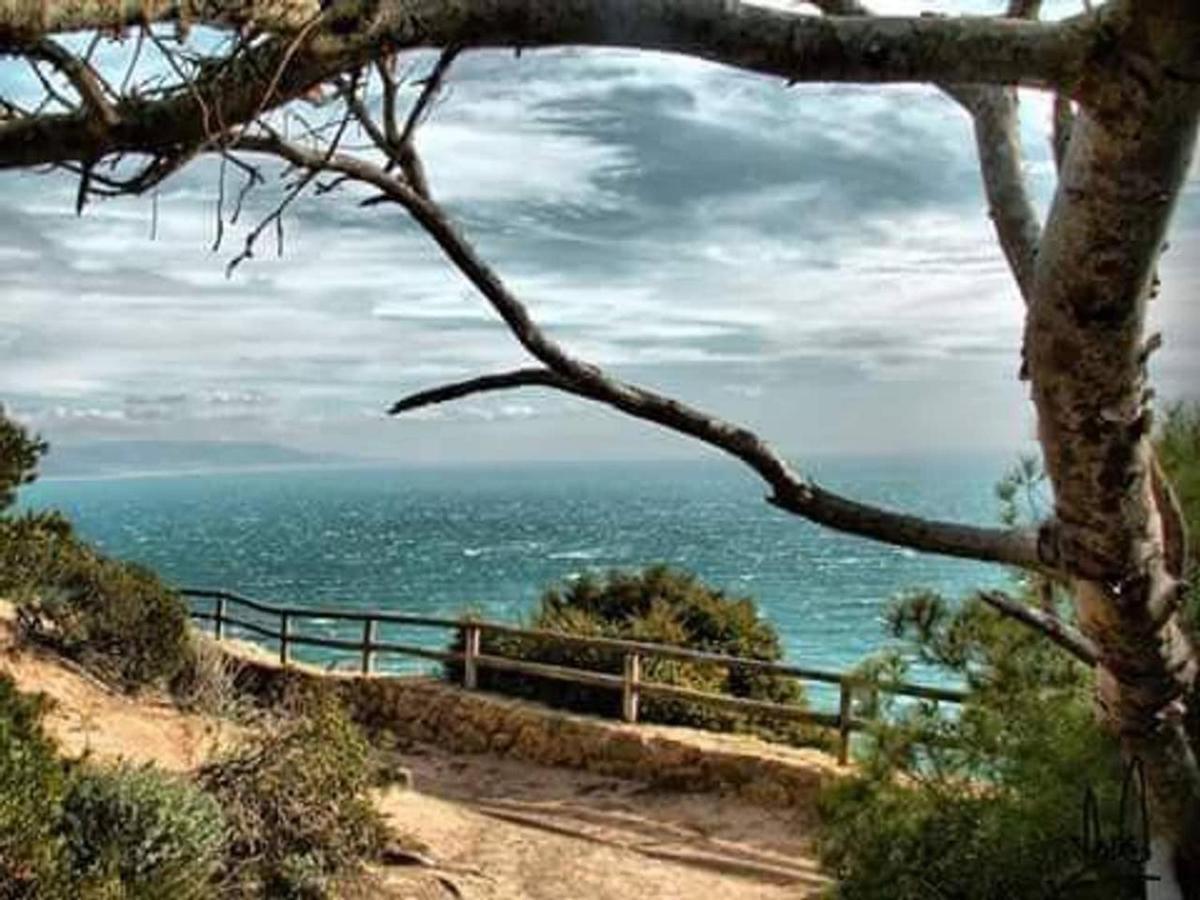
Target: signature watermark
{"x":1114,"y":856}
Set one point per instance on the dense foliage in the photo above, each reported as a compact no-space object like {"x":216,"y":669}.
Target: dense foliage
{"x":286,"y":815}
{"x":659,"y":605}
{"x":295,"y":796}
{"x":19,"y":455}
{"x":116,"y":618}
{"x":140,"y":834}
{"x":986,"y":804}
{"x":32,"y":781}
{"x":71,"y":831}
{"x":990,"y":803}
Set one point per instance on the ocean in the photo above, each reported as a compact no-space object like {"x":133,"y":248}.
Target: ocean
{"x":445,"y":541}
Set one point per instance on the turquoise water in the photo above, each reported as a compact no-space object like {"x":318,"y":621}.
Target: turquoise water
{"x":442,"y":541}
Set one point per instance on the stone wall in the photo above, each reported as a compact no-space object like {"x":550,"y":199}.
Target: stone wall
{"x":429,"y":711}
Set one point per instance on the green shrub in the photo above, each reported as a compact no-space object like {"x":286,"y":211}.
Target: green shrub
{"x":987,"y":803}
{"x":33,"y":548}
{"x":140,"y":834}
{"x":117,"y":618}
{"x":72,"y":832}
{"x":296,"y":801}
{"x":658,"y":605}
{"x":32,"y":781}
{"x":19,"y":455}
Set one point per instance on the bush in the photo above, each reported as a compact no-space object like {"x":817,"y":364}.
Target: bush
{"x":988,"y":803}
{"x":32,"y":781}
{"x":71,"y":832}
{"x":658,"y":605}
{"x":296,"y":801}
{"x":209,"y":682}
{"x":19,"y":455}
{"x":117,"y":618}
{"x":139,"y":834}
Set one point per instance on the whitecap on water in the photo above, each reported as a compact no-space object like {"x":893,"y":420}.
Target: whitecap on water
{"x":574,"y":554}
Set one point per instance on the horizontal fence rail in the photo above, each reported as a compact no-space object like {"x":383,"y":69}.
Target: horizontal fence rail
{"x":630,"y":683}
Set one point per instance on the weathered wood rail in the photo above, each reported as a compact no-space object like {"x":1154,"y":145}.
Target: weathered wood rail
{"x":630,"y":683}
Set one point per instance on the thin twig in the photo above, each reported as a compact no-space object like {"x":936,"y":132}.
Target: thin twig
{"x":276,"y":215}
{"x":83,"y":78}
{"x":134,"y":59}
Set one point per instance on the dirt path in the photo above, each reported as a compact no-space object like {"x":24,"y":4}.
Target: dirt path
{"x":546,"y":834}
{"x":497,"y":829}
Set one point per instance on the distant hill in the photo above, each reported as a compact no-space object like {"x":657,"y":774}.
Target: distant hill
{"x":111,"y":458}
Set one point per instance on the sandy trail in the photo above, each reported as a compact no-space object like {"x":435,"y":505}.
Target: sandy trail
{"x":497,"y":829}
{"x":544,"y":833}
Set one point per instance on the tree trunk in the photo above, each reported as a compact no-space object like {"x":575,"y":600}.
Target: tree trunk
{"x":1115,"y":533}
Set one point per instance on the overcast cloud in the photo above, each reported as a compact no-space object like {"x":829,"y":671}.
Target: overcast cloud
{"x":813,"y":261}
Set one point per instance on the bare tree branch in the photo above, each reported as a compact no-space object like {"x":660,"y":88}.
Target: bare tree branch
{"x":790,"y":491}
{"x":396,"y":143}
{"x":82,"y":77}
{"x":1051,"y":626}
{"x":998,"y":143}
{"x":786,"y":43}
{"x":997,"y":126}
{"x":276,"y":215}
{"x":501,"y":381}
{"x":790,"y":45}
{"x":406,"y":152}
{"x":433,"y":84}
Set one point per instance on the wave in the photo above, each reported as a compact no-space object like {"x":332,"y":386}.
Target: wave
{"x":574,"y":554}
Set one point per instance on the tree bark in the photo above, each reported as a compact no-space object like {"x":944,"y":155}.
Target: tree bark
{"x":319,"y":44}
{"x":1128,"y":155}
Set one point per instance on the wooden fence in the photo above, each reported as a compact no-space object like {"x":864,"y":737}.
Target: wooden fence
{"x":630,"y":683}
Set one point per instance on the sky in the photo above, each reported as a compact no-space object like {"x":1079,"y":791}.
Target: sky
{"x":815,"y":262}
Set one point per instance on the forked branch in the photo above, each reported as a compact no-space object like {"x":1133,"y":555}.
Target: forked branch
{"x":96,"y":102}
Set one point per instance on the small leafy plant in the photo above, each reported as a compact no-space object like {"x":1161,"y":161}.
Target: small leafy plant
{"x":296,"y":800}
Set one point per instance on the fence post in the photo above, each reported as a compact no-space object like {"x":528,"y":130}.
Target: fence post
{"x":368,"y":655}
{"x":219,"y":619}
{"x":285,"y":630}
{"x":471,"y":634}
{"x":630,"y":691}
{"x":845,"y":716}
